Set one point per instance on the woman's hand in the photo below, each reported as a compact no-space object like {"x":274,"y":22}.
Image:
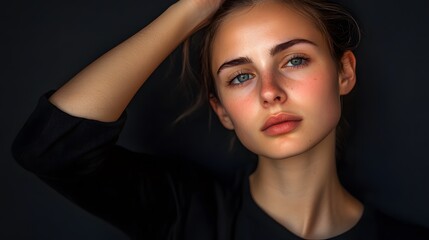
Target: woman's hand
{"x":103,"y":89}
{"x":201,"y":10}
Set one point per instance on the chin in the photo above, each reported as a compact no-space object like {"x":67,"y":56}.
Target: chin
{"x":282,"y":152}
{"x":296,"y":148}
{"x":278,"y":156}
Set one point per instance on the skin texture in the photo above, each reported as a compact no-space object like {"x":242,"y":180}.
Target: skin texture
{"x":103,"y":90}
{"x":296,"y":181}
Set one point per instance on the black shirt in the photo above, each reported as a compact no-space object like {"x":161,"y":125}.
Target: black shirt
{"x":155,"y":198}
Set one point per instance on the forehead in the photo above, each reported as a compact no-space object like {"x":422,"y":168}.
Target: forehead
{"x":261,"y":26}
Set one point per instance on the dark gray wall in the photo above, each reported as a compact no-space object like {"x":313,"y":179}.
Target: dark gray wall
{"x":45,"y":43}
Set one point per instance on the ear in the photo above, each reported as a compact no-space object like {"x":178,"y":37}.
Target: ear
{"x":347,"y":75}
{"x":221,"y":113}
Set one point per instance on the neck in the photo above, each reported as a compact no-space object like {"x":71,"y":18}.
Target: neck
{"x":303,"y":192}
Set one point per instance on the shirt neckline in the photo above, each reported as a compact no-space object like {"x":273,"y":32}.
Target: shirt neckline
{"x":258,"y":214}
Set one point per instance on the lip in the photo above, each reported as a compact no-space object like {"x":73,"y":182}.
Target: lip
{"x":281,"y":123}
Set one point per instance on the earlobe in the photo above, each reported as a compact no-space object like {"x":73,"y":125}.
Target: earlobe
{"x":221,"y":113}
{"x":347,"y":75}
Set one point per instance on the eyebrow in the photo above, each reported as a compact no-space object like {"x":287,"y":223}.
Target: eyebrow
{"x":283,"y":46}
{"x":234,"y":62}
{"x":273,"y":51}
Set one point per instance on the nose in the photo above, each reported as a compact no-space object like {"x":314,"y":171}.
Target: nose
{"x":272,"y":92}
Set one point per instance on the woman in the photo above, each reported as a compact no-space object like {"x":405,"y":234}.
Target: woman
{"x":275,"y":72}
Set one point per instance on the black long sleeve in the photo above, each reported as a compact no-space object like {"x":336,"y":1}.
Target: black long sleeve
{"x":79,"y":158}
{"x":154,"y":198}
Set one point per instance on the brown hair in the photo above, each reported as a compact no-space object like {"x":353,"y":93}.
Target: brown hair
{"x":336,"y":24}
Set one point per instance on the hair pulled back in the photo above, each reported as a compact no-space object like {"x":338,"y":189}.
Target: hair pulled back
{"x":337,"y":25}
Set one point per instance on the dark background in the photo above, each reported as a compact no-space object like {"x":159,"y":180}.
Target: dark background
{"x":46,"y":43}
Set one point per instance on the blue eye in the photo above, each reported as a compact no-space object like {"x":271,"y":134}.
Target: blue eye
{"x":296,"y":62}
{"x":241,"y":78}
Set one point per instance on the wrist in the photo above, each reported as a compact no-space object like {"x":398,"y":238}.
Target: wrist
{"x":196,"y":14}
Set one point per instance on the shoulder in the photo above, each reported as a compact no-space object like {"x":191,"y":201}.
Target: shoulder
{"x":376,"y":225}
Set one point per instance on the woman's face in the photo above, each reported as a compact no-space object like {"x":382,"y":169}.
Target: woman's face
{"x":278,"y":85}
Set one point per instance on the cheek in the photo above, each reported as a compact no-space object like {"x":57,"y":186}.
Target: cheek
{"x":320,"y":90}
{"x":240,"y":102}
{"x":320,"y":93}
{"x":240,"y":107}
{"x":329,"y":103}
{"x":244,"y":112}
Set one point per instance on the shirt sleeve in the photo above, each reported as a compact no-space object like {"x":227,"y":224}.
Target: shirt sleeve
{"x":54,"y":143}
{"x":80,"y":159}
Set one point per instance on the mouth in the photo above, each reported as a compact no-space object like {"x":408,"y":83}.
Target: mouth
{"x":281,"y":124}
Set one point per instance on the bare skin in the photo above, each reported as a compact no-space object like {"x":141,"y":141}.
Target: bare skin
{"x":301,"y":190}
{"x":103,"y":89}
{"x":303,"y":194}
{"x":296,"y":181}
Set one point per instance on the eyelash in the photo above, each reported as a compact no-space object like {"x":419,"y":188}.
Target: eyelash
{"x":300,"y":57}
{"x":293,"y":57}
{"x":236,"y":75}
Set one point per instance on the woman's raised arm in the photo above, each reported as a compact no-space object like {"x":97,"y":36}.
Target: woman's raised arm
{"x":102,"y":90}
